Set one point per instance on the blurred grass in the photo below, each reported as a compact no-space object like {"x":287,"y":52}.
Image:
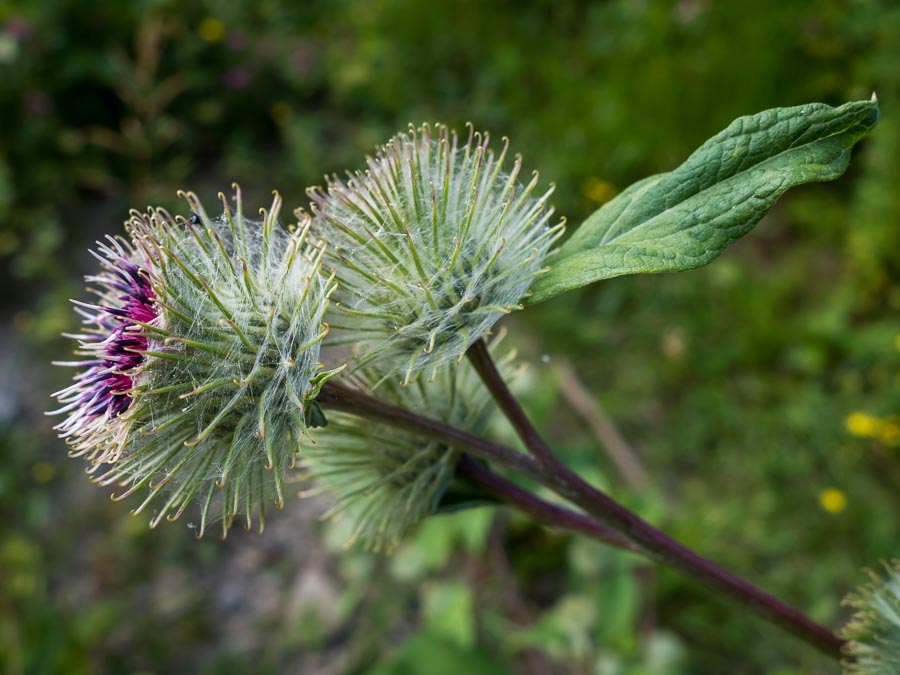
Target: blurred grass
{"x":731,"y":382}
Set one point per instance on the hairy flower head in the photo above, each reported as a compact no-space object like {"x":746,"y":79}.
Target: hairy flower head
{"x":431,"y":245}
{"x":113,"y":345}
{"x":388,"y":480}
{"x":201,"y":361}
{"x":873,"y":633}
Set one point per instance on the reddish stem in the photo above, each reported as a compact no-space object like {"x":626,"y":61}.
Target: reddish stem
{"x":655,"y":543}
{"x":542,"y":511}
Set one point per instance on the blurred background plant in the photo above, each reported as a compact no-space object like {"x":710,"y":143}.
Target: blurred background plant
{"x":756,"y":395}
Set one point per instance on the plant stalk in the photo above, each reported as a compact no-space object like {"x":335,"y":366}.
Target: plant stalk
{"x":542,"y":511}
{"x":656,"y":544}
{"x":336,"y":396}
{"x":346,"y":399}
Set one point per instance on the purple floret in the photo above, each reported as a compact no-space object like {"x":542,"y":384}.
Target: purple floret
{"x":114,"y":342}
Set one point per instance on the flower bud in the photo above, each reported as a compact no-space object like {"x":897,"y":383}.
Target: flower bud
{"x":388,"y":480}
{"x":431,"y":245}
{"x":873,"y":633}
{"x":201,"y":361}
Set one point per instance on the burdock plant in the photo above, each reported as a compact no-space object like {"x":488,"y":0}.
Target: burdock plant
{"x":200,"y":378}
{"x":201,"y":361}
{"x":431,"y":245}
{"x":874,"y":630}
{"x":387,"y":479}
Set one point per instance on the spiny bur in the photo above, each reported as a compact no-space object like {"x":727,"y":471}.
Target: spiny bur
{"x":387,"y":480}
{"x":873,"y":632}
{"x":431,"y":245}
{"x":199,"y":361}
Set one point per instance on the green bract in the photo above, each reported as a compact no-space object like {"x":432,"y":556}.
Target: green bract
{"x":388,"y":480}
{"x":874,"y":630}
{"x":685,"y":218}
{"x":431,"y":245}
{"x":223,"y":372}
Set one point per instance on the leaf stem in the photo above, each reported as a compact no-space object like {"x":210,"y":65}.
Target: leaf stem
{"x":542,"y":511}
{"x":653,"y":542}
{"x":337,"y":396}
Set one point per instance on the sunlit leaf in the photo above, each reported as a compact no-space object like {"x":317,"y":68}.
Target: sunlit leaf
{"x":684,"y":219}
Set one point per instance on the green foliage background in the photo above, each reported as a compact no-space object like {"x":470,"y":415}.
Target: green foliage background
{"x":730,"y":382}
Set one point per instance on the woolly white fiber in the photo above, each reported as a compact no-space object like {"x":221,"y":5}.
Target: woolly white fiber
{"x":387,"y":480}
{"x":221,"y":375}
{"x":431,"y":245}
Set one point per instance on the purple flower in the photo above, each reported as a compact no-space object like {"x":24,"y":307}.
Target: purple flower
{"x":37,"y":103}
{"x":235,"y":40}
{"x":236,"y":78}
{"x":200,"y":361}
{"x":302,"y":59}
{"x":19,"y":28}
{"x":114,"y":342}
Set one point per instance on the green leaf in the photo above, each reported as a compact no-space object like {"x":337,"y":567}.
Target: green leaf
{"x":685,"y":218}
{"x":427,"y":653}
{"x":448,"y":610}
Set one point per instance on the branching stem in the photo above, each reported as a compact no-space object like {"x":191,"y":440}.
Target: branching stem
{"x":542,"y":511}
{"x":611,"y":523}
{"x":653,"y":542}
{"x":339,"y":397}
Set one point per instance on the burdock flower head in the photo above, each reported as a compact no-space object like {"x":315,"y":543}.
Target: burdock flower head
{"x":386,"y":480}
{"x":431,"y":245}
{"x":873,"y":633}
{"x":200,"y":361}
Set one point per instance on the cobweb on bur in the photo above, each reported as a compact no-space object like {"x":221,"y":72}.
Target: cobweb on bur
{"x":431,"y":246}
{"x":222,"y":369}
{"x":873,"y":632}
{"x":385,"y":480}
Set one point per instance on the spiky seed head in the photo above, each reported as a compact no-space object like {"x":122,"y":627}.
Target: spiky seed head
{"x":387,"y":480}
{"x":431,"y":245}
{"x":201,"y":361}
{"x":873,"y":632}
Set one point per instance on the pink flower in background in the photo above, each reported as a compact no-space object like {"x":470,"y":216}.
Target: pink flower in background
{"x":37,"y":102}
{"x":18,"y":28}
{"x":303,"y":58}
{"x":236,"y":78}
{"x":235,"y":40}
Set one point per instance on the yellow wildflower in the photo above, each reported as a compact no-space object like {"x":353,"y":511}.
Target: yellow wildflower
{"x":833,"y":500}
{"x":211,"y":29}
{"x":281,"y":112}
{"x":890,"y":431}
{"x":598,"y":191}
{"x":863,"y":425}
